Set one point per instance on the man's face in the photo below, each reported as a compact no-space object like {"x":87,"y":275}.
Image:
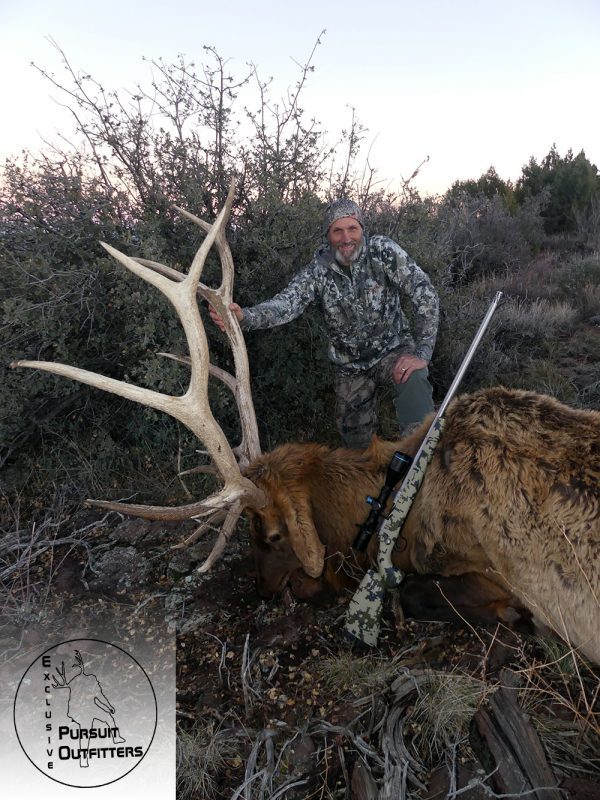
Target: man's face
{"x":345,"y":237}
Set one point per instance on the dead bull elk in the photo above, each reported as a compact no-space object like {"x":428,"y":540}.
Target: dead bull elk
{"x":510,"y":501}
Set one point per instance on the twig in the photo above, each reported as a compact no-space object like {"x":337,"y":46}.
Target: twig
{"x":222,"y":662}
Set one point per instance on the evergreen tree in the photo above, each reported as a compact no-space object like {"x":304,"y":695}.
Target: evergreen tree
{"x":572,"y":183}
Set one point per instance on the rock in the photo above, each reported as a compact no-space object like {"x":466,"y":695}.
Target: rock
{"x":131,"y":530}
{"x":121,"y":568}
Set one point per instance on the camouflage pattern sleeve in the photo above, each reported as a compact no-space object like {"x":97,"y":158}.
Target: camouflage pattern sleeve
{"x":417,"y":287}
{"x":285,"y":306}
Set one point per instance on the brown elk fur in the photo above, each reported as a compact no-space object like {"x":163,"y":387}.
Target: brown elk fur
{"x":511,"y":494}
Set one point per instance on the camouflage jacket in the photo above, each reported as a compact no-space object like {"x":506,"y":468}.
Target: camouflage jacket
{"x":361,"y":305}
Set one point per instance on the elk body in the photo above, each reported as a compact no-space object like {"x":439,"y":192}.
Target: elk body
{"x":510,"y":502}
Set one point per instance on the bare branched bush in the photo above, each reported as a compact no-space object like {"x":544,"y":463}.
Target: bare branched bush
{"x":579,"y":279}
{"x":587,"y":224}
{"x":31,"y":554}
{"x":462,"y":310}
{"x":486,"y":238}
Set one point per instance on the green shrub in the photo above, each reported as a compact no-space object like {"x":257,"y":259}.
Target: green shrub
{"x":571,"y":184}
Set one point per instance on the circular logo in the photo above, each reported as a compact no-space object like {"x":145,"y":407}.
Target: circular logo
{"x":85,"y":713}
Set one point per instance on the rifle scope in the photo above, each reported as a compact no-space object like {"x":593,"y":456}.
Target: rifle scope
{"x":397,"y":469}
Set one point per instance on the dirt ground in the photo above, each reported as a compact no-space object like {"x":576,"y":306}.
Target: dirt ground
{"x":274,"y":701}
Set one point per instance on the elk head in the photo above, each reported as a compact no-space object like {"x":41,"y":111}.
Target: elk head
{"x":314,"y":488}
{"x":285,"y":539}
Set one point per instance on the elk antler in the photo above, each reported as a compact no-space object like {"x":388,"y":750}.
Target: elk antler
{"x":192,"y":408}
{"x":59,"y":681}
{"x":79,"y":661}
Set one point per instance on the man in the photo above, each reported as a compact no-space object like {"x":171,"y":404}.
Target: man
{"x":358,"y":283}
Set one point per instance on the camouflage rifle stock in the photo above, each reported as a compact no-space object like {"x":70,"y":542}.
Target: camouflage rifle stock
{"x":364,"y":611}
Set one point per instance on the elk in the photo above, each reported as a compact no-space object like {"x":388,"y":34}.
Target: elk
{"x":508,"y":514}
{"x":509,"y":503}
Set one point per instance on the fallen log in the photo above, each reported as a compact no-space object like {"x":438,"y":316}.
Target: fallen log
{"x":508,"y":746}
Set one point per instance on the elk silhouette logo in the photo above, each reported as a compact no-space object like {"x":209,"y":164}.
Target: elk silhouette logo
{"x":87,"y":703}
{"x":85,"y":713}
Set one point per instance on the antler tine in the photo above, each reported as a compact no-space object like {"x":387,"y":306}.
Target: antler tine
{"x":61,"y":682}
{"x":223,"y":537}
{"x":226,"y":286}
{"x":170,"y":514}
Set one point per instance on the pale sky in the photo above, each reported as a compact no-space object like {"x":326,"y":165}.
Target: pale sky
{"x":469,"y":84}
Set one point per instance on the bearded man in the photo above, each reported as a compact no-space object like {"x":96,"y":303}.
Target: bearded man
{"x":358,"y":283}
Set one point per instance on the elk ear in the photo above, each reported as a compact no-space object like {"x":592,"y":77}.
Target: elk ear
{"x":304,"y":540}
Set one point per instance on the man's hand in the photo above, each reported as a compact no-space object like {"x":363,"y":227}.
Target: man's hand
{"x":239,"y":314}
{"x":405,"y":366}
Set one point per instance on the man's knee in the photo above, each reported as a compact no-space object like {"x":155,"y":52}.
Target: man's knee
{"x":413,"y":400}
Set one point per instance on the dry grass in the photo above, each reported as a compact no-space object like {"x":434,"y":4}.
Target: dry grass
{"x":561,"y":693}
{"x":440,"y":717}
{"x":203,"y":754}
{"x":543,"y":375}
{"x":589,"y":302}
{"x":540,"y":319}
{"x":354,"y":675}
{"x":562,"y":696}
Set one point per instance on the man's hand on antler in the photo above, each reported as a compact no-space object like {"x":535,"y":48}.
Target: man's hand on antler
{"x":237,"y":310}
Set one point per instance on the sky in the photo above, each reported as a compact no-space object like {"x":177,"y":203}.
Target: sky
{"x":465,"y":84}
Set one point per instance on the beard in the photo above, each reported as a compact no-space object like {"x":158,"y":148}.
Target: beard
{"x":346,"y":260}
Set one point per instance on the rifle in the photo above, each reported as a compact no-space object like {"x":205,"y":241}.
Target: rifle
{"x":364,"y":610}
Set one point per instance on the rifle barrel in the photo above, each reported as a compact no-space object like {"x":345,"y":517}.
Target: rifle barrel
{"x":469,"y":355}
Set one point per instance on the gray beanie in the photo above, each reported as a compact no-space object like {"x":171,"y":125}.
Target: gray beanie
{"x":341,"y":208}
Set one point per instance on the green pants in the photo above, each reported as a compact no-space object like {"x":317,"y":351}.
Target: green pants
{"x":356,"y":400}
